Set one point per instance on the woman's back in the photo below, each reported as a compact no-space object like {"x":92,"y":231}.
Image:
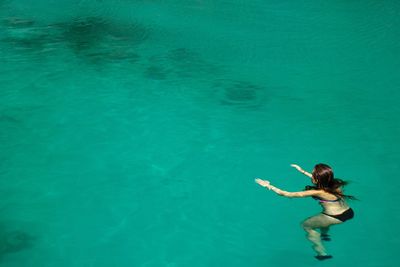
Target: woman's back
{"x":332,"y":204}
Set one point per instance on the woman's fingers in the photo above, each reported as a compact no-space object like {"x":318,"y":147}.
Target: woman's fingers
{"x":295,"y":166}
{"x":259,"y":181}
{"x":264,"y":183}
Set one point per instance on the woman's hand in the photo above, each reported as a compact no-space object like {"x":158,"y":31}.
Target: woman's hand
{"x":297,"y":167}
{"x":263,"y":183}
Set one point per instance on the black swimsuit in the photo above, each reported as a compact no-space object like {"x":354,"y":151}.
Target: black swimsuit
{"x":344,"y":216}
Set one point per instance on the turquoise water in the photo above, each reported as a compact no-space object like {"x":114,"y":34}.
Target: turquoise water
{"x":131,"y":131}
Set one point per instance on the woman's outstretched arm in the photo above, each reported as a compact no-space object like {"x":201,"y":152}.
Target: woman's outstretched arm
{"x":297,"y":167}
{"x":267,"y":184}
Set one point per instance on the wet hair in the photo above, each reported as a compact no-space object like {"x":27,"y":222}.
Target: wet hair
{"x":325,"y":180}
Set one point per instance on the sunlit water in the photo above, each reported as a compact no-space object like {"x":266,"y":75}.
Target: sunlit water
{"x":131,"y":131}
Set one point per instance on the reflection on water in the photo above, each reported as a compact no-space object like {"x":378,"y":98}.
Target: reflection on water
{"x":23,"y":35}
{"x":18,"y":22}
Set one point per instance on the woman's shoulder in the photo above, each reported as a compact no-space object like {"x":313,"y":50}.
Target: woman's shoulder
{"x":320,"y":193}
{"x":327,"y":195}
{"x":313,"y":193}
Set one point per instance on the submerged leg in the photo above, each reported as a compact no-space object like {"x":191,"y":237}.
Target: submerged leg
{"x":311,"y":224}
{"x":315,"y":238}
{"x":324,"y":230}
{"x":324,"y":234}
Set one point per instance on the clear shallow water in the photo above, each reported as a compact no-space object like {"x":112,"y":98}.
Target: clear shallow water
{"x":131,"y":131}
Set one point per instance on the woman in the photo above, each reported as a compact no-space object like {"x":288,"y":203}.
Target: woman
{"x":327,"y":190}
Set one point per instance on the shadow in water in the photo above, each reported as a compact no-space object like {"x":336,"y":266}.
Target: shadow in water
{"x":15,"y":241}
{"x":93,"y":39}
{"x":4,"y":118}
{"x":100,"y":40}
{"x":239,"y":93}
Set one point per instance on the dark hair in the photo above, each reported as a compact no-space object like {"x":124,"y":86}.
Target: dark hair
{"x":325,"y":180}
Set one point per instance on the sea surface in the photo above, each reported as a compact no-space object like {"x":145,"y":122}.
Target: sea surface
{"x":131,"y":131}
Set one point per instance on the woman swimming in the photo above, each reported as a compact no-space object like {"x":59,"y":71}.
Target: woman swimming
{"x":327,"y":190}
